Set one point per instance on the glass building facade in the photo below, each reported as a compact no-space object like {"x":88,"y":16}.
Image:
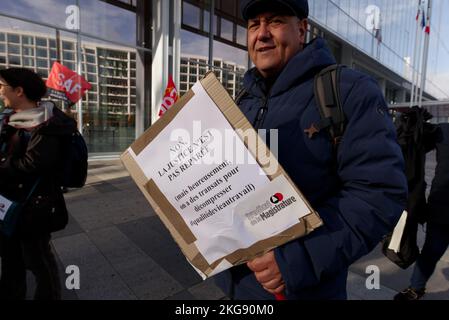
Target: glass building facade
{"x":127,"y":49}
{"x":394,"y":45}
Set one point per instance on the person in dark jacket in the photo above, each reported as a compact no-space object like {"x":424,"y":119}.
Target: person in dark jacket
{"x":32,"y":142}
{"x":359,"y":196}
{"x":437,"y":230}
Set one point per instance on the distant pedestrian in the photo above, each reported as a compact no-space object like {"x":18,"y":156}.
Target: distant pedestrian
{"x":32,"y":140}
{"x":437,"y":230}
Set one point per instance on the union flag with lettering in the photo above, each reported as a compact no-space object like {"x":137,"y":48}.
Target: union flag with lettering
{"x":170,"y":97}
{"x":67,"y":85}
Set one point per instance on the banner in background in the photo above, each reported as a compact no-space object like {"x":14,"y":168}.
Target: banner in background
{"x":170,"y":97}
{"x":65,"y":84}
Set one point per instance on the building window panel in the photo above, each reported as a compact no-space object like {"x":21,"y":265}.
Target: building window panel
{"x":228,"y":6}
{"x":91,"y":68}
{"x":90,"y":59}
{"x":41,"y":42}
{"x":28,"y":62}
{"x":332,"y":16}
{"x":190,"y":15}
{"x":91,"y":78}
{"x":2,"y":48}
{"x":241,"y":36}
{"x":14,"y":49}
{"x":41,"y":53}
{"x":2,"y":59}
{"x":27,"y":40}
{"x":15,"y":60}
{"x":28,"y":51}
{"x":13,"y":38}
{"x":227,"y":28}
{"x":343,"y":23}
{"x":2,"y":37}
{"x":53,"y":54}
{"x":68,"y":45}
{"x":320,"y":10}
{"x":206,"y":21}
{"x":42,"y":63}
{"x":68,"y":55}
{"x":69,"y":65}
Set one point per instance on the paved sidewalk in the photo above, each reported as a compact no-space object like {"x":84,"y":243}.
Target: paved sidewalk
{"x":124,"y":252}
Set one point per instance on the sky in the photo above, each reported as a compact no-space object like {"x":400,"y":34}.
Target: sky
{"x":110,"y":23}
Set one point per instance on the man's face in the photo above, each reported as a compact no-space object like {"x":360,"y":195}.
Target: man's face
{"x":7,"y":94}
{"x":273,"y":39}
{"x":10,"y":96}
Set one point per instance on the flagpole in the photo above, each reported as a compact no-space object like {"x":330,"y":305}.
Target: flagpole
{"x":418,"y":65}
{"x":426,"y":51}
{"x":415,"y":56}
{"x":379,"y":35}
{"x":58,"y":46}
{"x":79,"y":68}
{"x":211,"y":35}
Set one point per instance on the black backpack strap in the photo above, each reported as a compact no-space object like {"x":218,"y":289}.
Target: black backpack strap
{"x":328,"y":100}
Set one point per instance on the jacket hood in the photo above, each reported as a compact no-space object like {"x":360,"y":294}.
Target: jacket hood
{"x":304,"y":65}
{"x":59,"y":124}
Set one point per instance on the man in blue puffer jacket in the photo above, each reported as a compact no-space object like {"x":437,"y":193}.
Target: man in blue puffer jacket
{"x":359,"y":198}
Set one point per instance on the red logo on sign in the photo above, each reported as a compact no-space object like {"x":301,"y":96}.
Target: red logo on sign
{"x":278,"y":197}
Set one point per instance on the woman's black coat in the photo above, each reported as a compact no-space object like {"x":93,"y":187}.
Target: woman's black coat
{"x":32,"y":155}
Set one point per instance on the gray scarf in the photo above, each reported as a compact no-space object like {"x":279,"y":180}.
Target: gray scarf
{"x":31,"y":118}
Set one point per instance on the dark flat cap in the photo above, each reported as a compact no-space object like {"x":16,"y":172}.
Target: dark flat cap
{"x":250,"y":8}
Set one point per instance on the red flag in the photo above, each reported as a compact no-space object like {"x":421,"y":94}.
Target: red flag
{"x":66,"y":84}
{"x":170,"y":97}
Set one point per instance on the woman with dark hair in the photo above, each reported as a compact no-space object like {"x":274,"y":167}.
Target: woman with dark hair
{"x":32,"y":140}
